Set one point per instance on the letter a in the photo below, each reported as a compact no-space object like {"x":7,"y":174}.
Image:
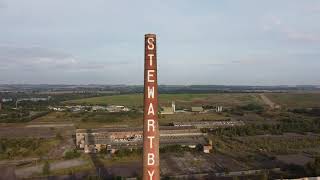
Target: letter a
{"x":150,"y":109}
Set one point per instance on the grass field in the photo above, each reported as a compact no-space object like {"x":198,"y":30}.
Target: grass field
{"x":182,"y":100}
{"x":104,"y":119}
{"x":295,"y":100}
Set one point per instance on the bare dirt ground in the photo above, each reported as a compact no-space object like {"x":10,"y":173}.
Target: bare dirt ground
{"x":66,"y":144}
{"x":18,"y":132}
{"x":35,"y":130}
{"x":18,"y":162}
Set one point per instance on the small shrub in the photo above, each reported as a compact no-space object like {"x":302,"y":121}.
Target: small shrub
{"x":71,"y":154}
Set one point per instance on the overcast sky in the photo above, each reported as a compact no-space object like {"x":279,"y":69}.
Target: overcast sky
{"x":239,"y":42}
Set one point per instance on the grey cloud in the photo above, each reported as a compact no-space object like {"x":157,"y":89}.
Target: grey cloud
{"x":38,"y":59}
{"x":82,"y":41}
{"x":32,"y":58}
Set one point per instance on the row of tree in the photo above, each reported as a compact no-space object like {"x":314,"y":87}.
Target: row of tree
{"x":285,"y":125}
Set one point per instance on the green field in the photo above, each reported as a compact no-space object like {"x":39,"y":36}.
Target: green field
{"x":295,"y":100}
{"x":182,"y":100}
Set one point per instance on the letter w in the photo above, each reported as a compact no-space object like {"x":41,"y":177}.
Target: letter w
{"x":151,"y":92}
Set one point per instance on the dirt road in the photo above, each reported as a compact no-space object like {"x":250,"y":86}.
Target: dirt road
{"x":267,"y":101}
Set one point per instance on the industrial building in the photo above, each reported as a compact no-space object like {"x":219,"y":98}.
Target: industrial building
{"x":94,"y":140}
{"x":169,"y":110}
{"x":219,"y":109}
{"x":197,"y":109}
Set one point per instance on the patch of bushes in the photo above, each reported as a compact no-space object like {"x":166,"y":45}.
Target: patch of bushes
{"x":127,"y":152}
{"x":71,"y":154}
{"x":10,"y":148}
{"x":313,"y":168}
{"x":252,"y":107}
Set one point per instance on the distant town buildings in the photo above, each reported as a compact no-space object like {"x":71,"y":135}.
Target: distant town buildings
{"x":208,"y":124}
{"x":7,"y":100}
{"x":98,"y":108}
{"x":56,"y":108}
{"x":35,"y":99}
{"x":78,"y":108}
{"x":118,"y":108}
{"x":194,"y":109}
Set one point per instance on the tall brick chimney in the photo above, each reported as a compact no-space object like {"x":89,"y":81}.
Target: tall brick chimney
{"x":151,"y":170}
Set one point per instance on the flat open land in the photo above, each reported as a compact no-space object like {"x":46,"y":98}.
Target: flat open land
{"x":54,"y":117}
{"x":182,"y":100}
{"x":105,"y":119}
{"x":295,"y":100}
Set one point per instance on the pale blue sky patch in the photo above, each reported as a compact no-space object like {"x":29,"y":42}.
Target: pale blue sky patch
{"x":241,"y":42}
